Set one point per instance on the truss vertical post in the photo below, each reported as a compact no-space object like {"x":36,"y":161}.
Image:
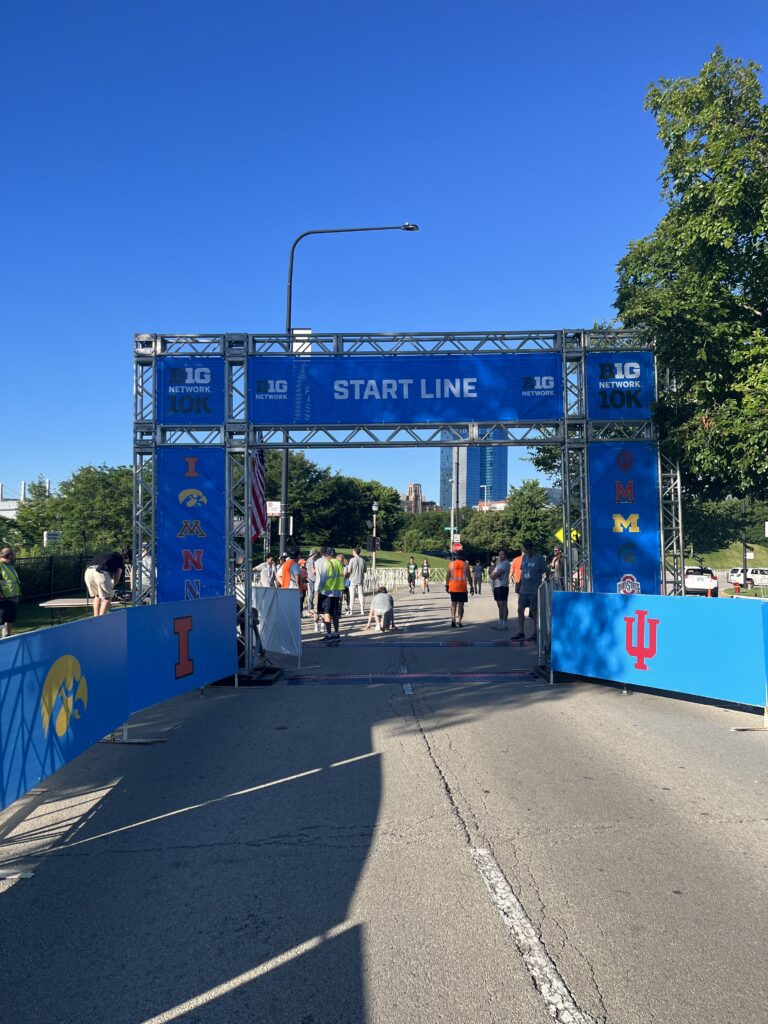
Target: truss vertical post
{"x":672,"y":552}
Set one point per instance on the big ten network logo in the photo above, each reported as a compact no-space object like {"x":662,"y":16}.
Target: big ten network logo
{"x":538,"y":387}
{"x":619,"y":385}
{"x":639,"y":647}
{"x":189,"y":389}
{"x":65,"y":694}
{"x":266,"y":390}
{"x":192,"y":559}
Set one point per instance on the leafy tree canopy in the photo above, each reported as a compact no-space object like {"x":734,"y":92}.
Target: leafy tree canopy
{"x":699,"y":282}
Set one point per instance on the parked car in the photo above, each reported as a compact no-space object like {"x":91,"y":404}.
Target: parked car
{"x":757,"y":576}
{"x":700,"y":579}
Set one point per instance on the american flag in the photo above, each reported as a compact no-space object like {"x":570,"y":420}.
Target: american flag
{"x":258,"y":495}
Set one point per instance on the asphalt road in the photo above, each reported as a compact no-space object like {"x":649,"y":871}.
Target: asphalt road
{"x":492,"y":849}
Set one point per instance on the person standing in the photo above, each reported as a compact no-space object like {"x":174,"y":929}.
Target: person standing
{"x":477,"y":572}
{"x":500,"y":585}
{"x":311,"y":580}
{"x":426,"y":572}
{"x":10,"y":591}
{"x":264,"y":574}
{"x":533,"y":570}
{"x":284,"y":572}
{"x":330,"y":591}
{"x":557,"y":568}
{"x":101,"y":577}
{"x":457,"y":583}
{"x":411,"y":569}
{"x":357,"y":578}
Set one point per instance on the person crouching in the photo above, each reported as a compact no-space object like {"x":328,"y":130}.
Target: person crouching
{"x":382,"y":610}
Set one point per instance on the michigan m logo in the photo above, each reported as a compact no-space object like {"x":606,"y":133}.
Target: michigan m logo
{"x":629,"y":523}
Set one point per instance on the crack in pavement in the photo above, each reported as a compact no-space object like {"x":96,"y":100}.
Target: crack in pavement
{"x":539,"y":963}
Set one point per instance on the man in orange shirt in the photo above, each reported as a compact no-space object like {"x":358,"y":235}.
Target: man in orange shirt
{"x":285,"y":571}
{"x":457,"y":583}
{"x":516,"y":569}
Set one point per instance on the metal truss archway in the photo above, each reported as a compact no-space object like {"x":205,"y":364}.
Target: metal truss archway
{"x":571,"y":435}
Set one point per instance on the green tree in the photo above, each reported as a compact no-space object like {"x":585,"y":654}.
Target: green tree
{"x":699,"y":282}
{"x":489,"y":531}
{"x":424,"y":532}
{"x":710,"y":525}
{"x":532,"y":516}
{"x":93,"y":509}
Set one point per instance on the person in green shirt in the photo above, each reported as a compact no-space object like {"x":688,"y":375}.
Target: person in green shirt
{"x":10,"y":591}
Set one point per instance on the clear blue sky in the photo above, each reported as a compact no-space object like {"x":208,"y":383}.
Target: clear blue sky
{"x":161,"y":155}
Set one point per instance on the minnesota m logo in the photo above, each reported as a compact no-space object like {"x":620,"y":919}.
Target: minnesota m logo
{"x":630,"y":523}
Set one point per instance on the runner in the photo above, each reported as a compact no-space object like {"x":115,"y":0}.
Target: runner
{"x":534,"y":568}
{"x":426,"y":572}
{"x":411,"y":569}
{"x":500,"y":584}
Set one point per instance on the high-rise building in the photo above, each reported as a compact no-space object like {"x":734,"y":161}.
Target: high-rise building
{"x":482,"y":473}
{"x":413,"y":501}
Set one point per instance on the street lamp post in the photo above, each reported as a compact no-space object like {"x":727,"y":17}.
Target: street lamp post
{"x":288,"y":310}
{"x":374,"y":509}
{"x":484,"y":489}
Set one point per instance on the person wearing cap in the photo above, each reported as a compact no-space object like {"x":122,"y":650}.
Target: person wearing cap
{"x":330,"y":590}
{"x":457,"y":582}
{"x":284,"y":571}
{"x":533,"y":570}
{"x":10,"y":591}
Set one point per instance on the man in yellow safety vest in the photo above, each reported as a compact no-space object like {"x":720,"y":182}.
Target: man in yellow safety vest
{"x":10,"y":591}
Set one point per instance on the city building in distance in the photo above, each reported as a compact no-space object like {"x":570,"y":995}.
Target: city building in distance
{"x":482,"y":473}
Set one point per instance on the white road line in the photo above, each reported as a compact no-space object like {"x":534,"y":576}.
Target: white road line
{"x":545,"y":975}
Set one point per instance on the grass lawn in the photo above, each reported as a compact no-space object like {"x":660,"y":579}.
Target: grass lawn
{"x":729,"y":557}
{"x":32,"y":616}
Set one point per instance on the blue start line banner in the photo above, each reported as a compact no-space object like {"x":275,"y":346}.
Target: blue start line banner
{"x":625,"y":526}
{"x":355,"y":390}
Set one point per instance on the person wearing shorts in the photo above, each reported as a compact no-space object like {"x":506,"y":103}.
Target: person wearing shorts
{"x":533,"y":570}
{"x":101,"y":577}
{"x":500,"y":584}
{"x":382,"y":611}
{"x":426,"y":572}
{"x":411,"y":570}
{"x":457,"y":582}
{"x":330,"y":590}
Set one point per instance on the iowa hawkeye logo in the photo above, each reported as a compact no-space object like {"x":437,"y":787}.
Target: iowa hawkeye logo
{"x":65,"y":694}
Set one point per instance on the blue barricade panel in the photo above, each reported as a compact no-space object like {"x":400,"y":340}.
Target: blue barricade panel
{"x":61,"y":690}
{"x":706,"y":648}
{"x":179,"y":646}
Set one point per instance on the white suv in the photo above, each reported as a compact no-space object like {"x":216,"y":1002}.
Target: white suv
{"x":700,"y":580}
{"x":757,"y":576}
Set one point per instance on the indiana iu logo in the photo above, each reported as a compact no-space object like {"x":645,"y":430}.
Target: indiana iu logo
{"x":638,"y":648}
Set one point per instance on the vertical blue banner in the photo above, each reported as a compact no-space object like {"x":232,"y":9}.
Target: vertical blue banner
{"x":190,"y":391}
{"x":620,"y":385}
{"x":624,"y":517}
{"x":191,"y":520}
